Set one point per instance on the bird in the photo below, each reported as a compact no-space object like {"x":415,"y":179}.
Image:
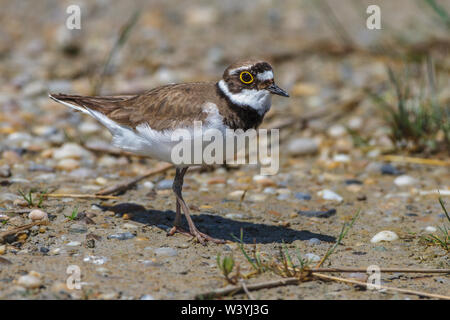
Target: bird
{"x":143,"y":123}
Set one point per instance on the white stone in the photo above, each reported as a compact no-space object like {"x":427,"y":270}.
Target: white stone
{"x":30,"y":281}
{"x":37,"y":214}
{"x":71,"y":150}
{"x":430,"y":229}
{"x":302,"y":146}
{"x":330,"y":195}
{"x":336,"y":130}
{"x":385,"y":235}
{"x":312,"y":257}
{"x":73,"y":244}
{"x":405,"y":180}
{"x":341,"y":158}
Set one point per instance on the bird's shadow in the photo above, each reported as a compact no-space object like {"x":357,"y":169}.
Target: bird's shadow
{"x":217,"y":226}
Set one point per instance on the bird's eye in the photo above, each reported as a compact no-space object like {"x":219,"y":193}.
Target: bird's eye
{"x":246,"y":77}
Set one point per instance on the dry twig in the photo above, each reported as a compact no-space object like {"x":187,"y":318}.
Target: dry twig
{"x":128,"y":184}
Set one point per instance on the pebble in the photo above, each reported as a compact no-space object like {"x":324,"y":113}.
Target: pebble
{"x":147,"y":297}
{"x":317,"y":214}
{"x":37,"y":214}
{"x":257,"y":197}
{"x":77,"y":228}
{"x":374,"y":167}
{"x":70,"y":151}
{"x":430,"y":229}
{"x":30,"y":281}
{"x":236,"y":195}
{"x":68,"y":164}
{"x":327,"y":194}
{"x":336,"y":130}
{"x":149,"y":185}
{"x":130,"y":226}
{"x":2,"y":249}
{"x":314,"y":241}
{"x":5,"y":171}
{"x":312,"y":257}
{"x":302,"y":146}
{"x":44,"y":249}
{"x":270,"y":190}
{"x":390,"y":170}
{"x":97,"y":260}
{"x":73,"y":244}
{"x":405,"y":180}
{"x":166,"y":251}
{"x":164,"y":184}
{"x":341,"y":158}
{"x":234,"y":216}
{"x":302,"y":196}
{"x":384,"y":236}
{"x":121,"y":236}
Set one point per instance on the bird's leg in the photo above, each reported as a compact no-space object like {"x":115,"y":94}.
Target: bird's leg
{"x":177,"y":189}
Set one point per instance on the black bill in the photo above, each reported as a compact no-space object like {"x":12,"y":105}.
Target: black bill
{"x":273,"y":88}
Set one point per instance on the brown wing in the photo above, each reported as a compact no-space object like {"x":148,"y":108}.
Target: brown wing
{"x":162,"y":108}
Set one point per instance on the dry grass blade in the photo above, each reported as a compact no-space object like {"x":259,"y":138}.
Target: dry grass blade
{"x":128,"y":184}
{"x":123,"y":36}
{"x":415,"y":160}
{"x":21,"y":228}
{"x":82,"y":196}
{"x":381,"y":287}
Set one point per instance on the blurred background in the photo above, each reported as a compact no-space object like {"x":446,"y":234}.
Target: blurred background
{"x":366,"y":129}
{"x":322,"y":52}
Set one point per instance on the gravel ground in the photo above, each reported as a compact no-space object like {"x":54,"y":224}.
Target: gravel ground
{"x":120,"y":246}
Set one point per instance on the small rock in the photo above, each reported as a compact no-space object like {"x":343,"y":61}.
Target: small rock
{"x":164,"y":184}
{"x":330,"y":195}
{"x":336,"y":130}
{"x":30,"y":281}
{"x":68,"y":164}
{"x":37,"y":214}
{"x":374,"y":167}
{"x":73,"y":244}
{"x":314,"y":241}
{"x":384,"y":236}
{"x":318,"y":214}
{"x":5,"y":171}
{"x":44,"y":249}
{"x":302,"y":146}
{"x":234,"y":216}
{"x":165,"y":251}
{"x":90,"y":243}
{"x":236,"y":195}
{"x":430,"y":229}
{"x":312,"y":257}
{"x":77,"y":228}
{"x":97,"y":260}
{"x":257,"y":197}
{"x":405,"y":180}
{"x":390,"y":170}
{"x":344,"y":158}
{"x":2,"y":249}
{"x":130,"y":226}
{"x":147,"y":297}
{"x":122,"y":236}
{"x":302,"y":196}
{"x":380,"y":248}
{"x":71,"y":151}
{"x":149,"y":185}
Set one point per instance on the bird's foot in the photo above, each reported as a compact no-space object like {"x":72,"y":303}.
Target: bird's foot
{"x":176,"y":229}
{"x":200,"y":236}
{"x":203,"y":237}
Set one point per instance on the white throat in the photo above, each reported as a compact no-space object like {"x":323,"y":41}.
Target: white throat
{"x":260,"y":100}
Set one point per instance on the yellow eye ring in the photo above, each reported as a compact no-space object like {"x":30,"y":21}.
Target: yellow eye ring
{"x":246,"y":74}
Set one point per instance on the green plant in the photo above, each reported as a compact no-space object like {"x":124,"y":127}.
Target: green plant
{"x":226,"y":265}
{"x":73,"y":215}
{"x":29,"y":198}
{"x":417,"y":123}
{"x":443,"y":239}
